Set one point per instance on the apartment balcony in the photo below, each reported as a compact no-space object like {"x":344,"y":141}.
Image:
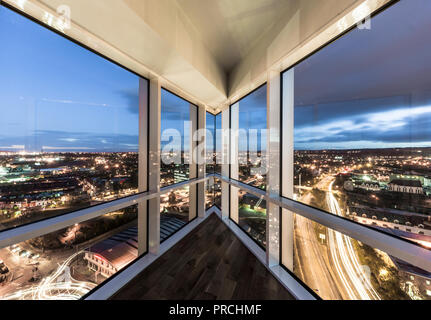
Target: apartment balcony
{"x":205,"y":150}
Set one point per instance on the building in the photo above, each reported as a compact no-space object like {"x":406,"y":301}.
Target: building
{"x":110,"y":256}
{"x":370,"y":186}
{"x":406,"y":186}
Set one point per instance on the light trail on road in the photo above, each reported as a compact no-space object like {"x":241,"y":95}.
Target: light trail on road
{"x":54,"y":287}
{"x":352,"y":274}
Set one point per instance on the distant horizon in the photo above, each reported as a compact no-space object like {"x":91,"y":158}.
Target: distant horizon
{"x":339,"y":104}
{"x":185,"y":151}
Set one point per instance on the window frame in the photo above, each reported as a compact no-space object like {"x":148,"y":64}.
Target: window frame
{"x":230,"y":165}
{"x":112,"y":203}
{"x":381,"y":9}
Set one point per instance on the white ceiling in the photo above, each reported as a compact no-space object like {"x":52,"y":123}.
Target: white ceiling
{"x":231,"y":28}
{"x":208,"y":51}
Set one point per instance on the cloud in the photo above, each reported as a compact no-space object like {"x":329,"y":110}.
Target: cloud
{"x":406,"y":125}
{"x":13,"y":147}
{"x":131,"y":97}
{"x":68,"y":139}
{"x":48,"y":140}
{"x":64,"y":101}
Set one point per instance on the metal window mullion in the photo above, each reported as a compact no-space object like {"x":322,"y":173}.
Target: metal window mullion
{"x":234,"y":156}
{"x":201,"y":162}
{"x":287,"y":162}
{"x":143,"y":164}
{"x":273,"y":148}
{"x":154,"y":132}
{"x":225,"y":126}
{"x":194,"y":110}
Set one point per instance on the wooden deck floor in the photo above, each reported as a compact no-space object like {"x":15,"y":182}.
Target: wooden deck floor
{"x":209,"y":263}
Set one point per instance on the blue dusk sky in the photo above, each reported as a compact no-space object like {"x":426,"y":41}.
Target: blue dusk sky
{"x":57,"y":96}
{"x":210,"y":125}
{"x":175,"y":121}
{"x":252,"y":115}
{"x":370,"y":88}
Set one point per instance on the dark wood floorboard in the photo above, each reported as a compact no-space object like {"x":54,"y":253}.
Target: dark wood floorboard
{"x":210,"y":263}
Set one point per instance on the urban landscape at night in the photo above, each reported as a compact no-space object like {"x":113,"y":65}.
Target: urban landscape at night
{"x":215,"y":150}
{"x":386,"y":189}
{"x":69,"y":263}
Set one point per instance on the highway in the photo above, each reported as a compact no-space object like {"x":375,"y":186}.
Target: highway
{"x":353,"y":276}
{"x":333,"y":270}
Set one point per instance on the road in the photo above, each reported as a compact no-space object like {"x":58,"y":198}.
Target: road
{"x":58,"y":286}
{"x":333,"y":270}
{"x":352,"y":274}
{"x":312,"y":260}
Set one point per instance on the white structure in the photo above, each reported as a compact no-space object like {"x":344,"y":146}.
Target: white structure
{"x":406,"y":186}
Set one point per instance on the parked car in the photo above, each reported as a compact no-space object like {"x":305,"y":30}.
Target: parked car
{"x":16,"y":249}
{"x":34,"y":256}
{"x":4,"y":269}
{"x":24,"y":253}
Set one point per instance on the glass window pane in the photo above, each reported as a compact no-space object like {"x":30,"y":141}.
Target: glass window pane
{"x":217,"y":193}
{"x":362,"y":151}
{"x":175,"y":211}
{"x":69,"y":123}
{"x":176,"y":125}
{"x":337,"y":267}
{"x":366,"y":141}
{"x":209,"y":193}
{"x":252,"y":216}
{"x":252,"y":139}
{"x":210,"y":140}
{"x":218,"y":143}
{"x":68,"y":263}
